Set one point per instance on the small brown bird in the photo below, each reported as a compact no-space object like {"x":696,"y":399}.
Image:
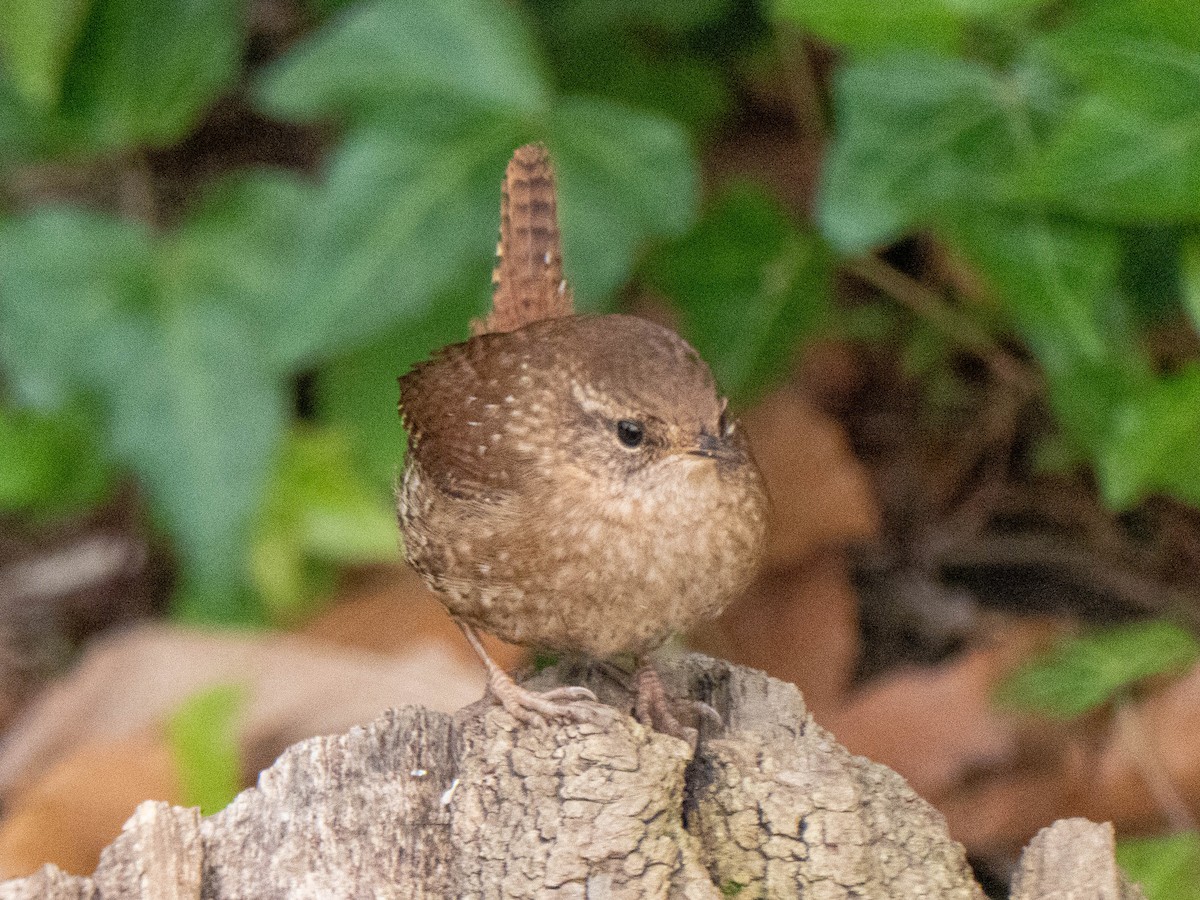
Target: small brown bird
{"x":572,"y":483}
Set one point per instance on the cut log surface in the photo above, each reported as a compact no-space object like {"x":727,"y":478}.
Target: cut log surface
{"x":421,"y":804}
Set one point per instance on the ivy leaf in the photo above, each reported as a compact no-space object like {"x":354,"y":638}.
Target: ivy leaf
{"x":918,"y":137}
{"x":204,"y":745}
{"x":1059,"y":281}
{"x":241,"y":248}
{"x":36,"y":40}
{"x":1191,"y":279}
{"x":49,"y":463}
{"x":356,"y":391}
{"x":146,"y":69}
{"x":413,"y":194}
{"x":1085,"y":672}
{"x":1127,"y":149}
{"x":183,"y":391}
{"x":398,"y":215}
{"x":598,"y":16}
{"x":198,"y":418}
{"x":68,"y":277}
{"x":1058,"y":284}
{"x":920,"y":24}
{"x":624,"y":176}
{"x":387,"y":52}
{"x":943,"y":26}
{"x":1155,"y":445}
{"x":749,"y":284}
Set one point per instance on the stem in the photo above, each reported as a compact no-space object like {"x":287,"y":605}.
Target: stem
{"x":929,"y":306}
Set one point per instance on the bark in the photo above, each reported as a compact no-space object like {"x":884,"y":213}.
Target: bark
{"x":421,"y":804}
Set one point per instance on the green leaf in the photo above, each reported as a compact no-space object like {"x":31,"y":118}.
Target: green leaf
{"x":36,"y":40}
{"x":598,"y":17}
{"x":49,"y":464}
{"x":198,"y":418}
{"x":1155,"y":444}
{"x":406,"y":207}
{"x":146,"y":69}
{"x":671,"y":58}
{"x":1191,"y":279}
{"x":1085,"y":672}
{"x":1113,"y":163}
{"x":203,"y":738}
{"x":387,"y":52}
{"x":179,"y":382}
{"x":1138,"y":53}
{"x":624,"y":176}
{"x":918,"y":24}
{"x":68,"y":277}
{"x":413,"y":194}
{"x":23,"y":129}
{"x":356,"y":392}
{"x":1058,"y":282}
{"x":1167,"y":867}
{"x":672,"y":83}
{"x":241,"y":248}
{"x":943,"y":26}
{"x":1127,"y":150}
{"x":318,"y":513}
{"x":749,"y":285}
{"x":919,"y":137}
{"x":1152,"y":272}
{"x":399,"y":214}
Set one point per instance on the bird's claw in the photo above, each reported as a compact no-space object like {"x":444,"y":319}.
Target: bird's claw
{"x":576,"y":704}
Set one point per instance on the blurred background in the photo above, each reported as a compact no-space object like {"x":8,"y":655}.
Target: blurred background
{"x":942,"y":254}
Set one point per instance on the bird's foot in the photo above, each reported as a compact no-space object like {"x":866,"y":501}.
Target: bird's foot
{"x":531,"y":707}
{"x":653,"y":708}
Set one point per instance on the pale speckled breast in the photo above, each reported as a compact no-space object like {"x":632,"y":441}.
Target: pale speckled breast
{"x":584,"y":565}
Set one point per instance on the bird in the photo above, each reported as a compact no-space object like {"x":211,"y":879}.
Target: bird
{"x":574,"y":483}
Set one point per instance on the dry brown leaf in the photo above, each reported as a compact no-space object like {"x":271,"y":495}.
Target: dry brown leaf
{"x":799,"y":625}
{"x":820,"y":495}
{"x":1151,"y":761}
{"x":296,"y":687}
{"x":77,"y":806}
{"x":393,"y":611}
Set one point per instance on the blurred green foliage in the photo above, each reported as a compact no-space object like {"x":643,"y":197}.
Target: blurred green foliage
{"x":1085,"y":672}
{"x":49,"y":463}
{"x":1036,"y":140}
{"x":1167,"y":868}
{"x":186,"y":341}
{"x":317,"y":514}
{"x":748,"y":283}
{"x":1050,"y":146}
{"x":204,"y":746}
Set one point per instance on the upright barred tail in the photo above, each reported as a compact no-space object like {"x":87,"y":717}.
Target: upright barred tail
{"x":528,"y":283}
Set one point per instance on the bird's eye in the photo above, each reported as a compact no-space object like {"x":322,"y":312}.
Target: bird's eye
{"x":630,"y":433}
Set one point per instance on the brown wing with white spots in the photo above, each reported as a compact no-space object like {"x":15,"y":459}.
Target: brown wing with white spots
{"x":455,"y":416}
{"x":528,"y":279}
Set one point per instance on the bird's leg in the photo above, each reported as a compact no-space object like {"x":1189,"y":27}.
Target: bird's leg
{"x":526,"y":705}
{"x":652,"y":707}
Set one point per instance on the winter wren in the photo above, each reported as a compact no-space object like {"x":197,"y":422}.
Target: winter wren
{"x":572,"y":483}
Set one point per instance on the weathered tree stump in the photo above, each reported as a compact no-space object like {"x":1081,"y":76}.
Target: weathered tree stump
{"x":420,"y":804}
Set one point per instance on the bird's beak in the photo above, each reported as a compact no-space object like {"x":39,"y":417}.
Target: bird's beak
{"x":710,"y":447}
